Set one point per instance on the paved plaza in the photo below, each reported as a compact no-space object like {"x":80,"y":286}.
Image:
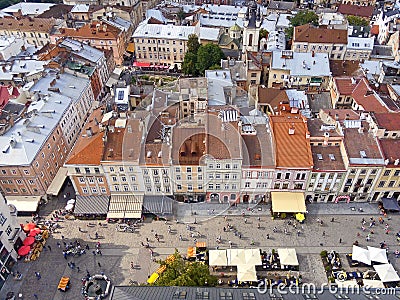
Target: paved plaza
{"x":119,"y":249}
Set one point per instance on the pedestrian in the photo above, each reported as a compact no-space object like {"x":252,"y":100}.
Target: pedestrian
{"x":96,"y":235}
{"x":147,"y":239}
{"x":340,"y":241}
{"x":78,"y":269}
{"x":258,"y":225}
{"x":65,"y":254}
{"x":62,"y":237}
{"x":245,"y":220}
{"x":94,"y":252}
{"x":87,"y":247}
{"x":333,"y":220}
{"x":180,"y":237}
{"x":49,"y":247}
{"x":58,"y":245}
{"x":267,"y":236}
{"x":323,"y":233}
{"x":132,"y":265}
{"x":35,"y":296}
{"x":230,"y":244}
{"x":298,"y":232}
{"x":80,"y":229}
{"x":98,"y":263}
{"x":38,"y":276}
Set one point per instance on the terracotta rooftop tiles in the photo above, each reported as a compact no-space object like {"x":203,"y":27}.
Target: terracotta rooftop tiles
{"x":188,"y":144}
{"x":27,"y":24}
{"x":310,"y":34}
{"x":364,"y":11}
{"x":88,"y":150}
{"x":345,"y":68}
{"x":94,"y":30}
{"x":364,"y":96}
{"x":346,"y":85}
{"x":389,"y":121}
{"x":292,"y":150}
{"x":362,"y":148}
{"x":327,"y":158}
{"x":223,"y":138}
{"x":391,"y":151}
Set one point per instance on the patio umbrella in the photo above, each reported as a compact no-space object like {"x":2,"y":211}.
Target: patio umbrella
{"x":69,"y":207}
{"x":218,"y":258}
{"x":29,"y":226}
{"x":378,"y":255}
{"x":29,"y":241}
{"x":386,"y":273}
{"x":34,"y":231}
{"x":253,"y":257}
{"x":361,"y":255}
{"x":246,"y":273}
{"x":24,"y":250}
{"x":300,"y":217}
{"x":72,"y":201}
{"x":288,"y":257}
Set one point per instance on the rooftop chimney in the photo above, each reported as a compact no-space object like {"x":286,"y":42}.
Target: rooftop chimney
{"x":89,"y":131}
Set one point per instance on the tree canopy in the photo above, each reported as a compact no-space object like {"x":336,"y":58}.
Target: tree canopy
{"x":357,"y":21}
{"x":184,"y":273}
{"x":207,"y":56}
{"x":301,"y":18}
{"x":199,"y":58}
{"x":263,"y":33}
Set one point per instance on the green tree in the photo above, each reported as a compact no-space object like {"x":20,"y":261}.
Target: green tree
{"x":301,"y":18}
{"x":189,"y":64}
{"x":193,"y":44}
{"x":263,"y":33}
{"x":184,"y":273}
{"x":357,"y":21}
{"x":207,"y":56}
{"x":181,"y":15}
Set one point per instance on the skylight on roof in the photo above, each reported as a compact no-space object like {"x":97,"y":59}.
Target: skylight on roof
{"x":363,"y":154}
{"x":319,"y":155}
{"x":332,"y":157}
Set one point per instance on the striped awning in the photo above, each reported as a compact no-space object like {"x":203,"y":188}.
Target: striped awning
{"x":91,"y":205}
{"x":125,"y":206}
{"x":159,"y":205}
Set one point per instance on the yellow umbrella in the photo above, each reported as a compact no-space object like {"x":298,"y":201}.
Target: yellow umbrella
{"x":300,"y":217}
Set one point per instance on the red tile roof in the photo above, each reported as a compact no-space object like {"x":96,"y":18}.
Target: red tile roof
{"x":391,"y":151}
{"x":364,"y":11}
{"x":346,"y":85}
{"x":6,"y":93}
{"x":310,"y":34}
{"x":363,"y":95}
{"x":389,"y":121}
{"x":292,"y":150}
{"x":96,"y":30}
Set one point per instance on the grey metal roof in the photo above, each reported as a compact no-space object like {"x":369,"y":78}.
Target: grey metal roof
{"x":93,"y":205}
{"x":157,"y":204}
{"x":216,"y":293}
{"x":81,"y":49}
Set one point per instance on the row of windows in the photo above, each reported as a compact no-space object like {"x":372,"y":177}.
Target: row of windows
{"x":158,"y":42}
{"x":94,"y":190}
{"x":155,"y":56}
{"x":299,"y":176}
{"x":259,"y":185}
{"x":226,"y":166}
{"x":391,"y":183}
{"x":15,"y":191}
{"x":218,"y":186}
{"x":154,"y":49}
{"x":330,"y":176}
{"x":91,"y":179}
{"x":388,"y":173}
{"x":18,"y":181}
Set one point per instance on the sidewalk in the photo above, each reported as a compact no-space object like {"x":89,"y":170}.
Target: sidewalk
{"x":201,"y":212}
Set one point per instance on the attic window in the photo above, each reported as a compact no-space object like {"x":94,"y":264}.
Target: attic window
{"x":319,"y":155}
{"x":332,"y":157}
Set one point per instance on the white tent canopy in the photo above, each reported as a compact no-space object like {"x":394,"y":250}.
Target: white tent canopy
{"x":361,"y":255}
{"x":235,"y":257}
{"x":378,"y":255}
{"x":217,"y":258}
{"x":386,"y":273}
{"x":246,"y":273}
{"x":253,"y":257}
{"x":288,"y":257}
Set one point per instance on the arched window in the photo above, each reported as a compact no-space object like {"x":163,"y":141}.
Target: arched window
{"x":250,"y":43}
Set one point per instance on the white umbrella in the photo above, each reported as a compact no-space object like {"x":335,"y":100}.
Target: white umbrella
{"x":235,"y":257}
{"x":288,"y":257}
{"x":72,"y":201}
{"x":378,"y":255}
{"x":217,"y":258}
{"x":69,"y":207}
{"x":361,"y":255}
{"x":253,"y":257}
{"x":246,"y":273}
{"x":386,"y":273}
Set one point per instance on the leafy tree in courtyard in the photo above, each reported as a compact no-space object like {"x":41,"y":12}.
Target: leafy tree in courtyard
{"x":301,"y":18}
{"x":193,"y":44}
{"x":183,"y":273}
{"x":180,"y":15}
{"x":263,"y":33}
{"x":208,"y":55}
{"x":357,"y":21}
{"x":189,"y":64}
